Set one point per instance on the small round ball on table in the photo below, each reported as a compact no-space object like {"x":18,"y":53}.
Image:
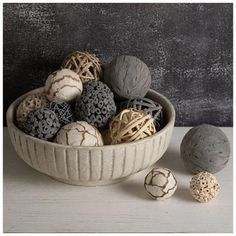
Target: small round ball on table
{"x":160,"y":183}
{"x":205,"y":148}
{"x":204,"y":187}
{"x":131,"y":125}
{"x":63,"y":84}
{"x":96,"y":104}
{"x":86,"y":65}
{"x":79,"y":133}
{"x":63,"y":111}
{"x":128,"y":77}
{"x":42,"y":124}
{"x":29,"y":104}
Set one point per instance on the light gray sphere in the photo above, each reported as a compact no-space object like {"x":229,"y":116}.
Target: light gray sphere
{"x":205,"y":148}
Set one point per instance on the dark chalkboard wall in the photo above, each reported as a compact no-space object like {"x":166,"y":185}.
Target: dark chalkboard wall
{"x":188,"y":48}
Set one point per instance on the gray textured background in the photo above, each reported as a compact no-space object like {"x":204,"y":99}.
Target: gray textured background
{"x":188,"y":48}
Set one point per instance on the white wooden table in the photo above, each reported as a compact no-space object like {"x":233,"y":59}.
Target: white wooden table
{"x":34,"y":202}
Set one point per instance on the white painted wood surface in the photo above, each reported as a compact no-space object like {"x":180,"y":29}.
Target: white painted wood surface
{"x":34,"y":202}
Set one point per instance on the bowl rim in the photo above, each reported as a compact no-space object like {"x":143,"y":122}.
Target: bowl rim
{"x":10,"y":120}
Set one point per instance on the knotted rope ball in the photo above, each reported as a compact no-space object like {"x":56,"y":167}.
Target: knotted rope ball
{"x":131,"y":125}
{"x":86,"y":65}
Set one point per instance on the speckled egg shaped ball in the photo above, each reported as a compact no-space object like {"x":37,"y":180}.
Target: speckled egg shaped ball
{"x":42,"y":124}
{"x":96,"y":105}
{"x":160,"y":183}
{"x":31,"y":103}
{"x":79,"y":133}
{"x":128,"y":77}
{"x":63,"y":84}
{"x":205,"y":148}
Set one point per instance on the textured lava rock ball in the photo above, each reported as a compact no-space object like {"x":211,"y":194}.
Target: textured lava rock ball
{"x":79,"y":133}
{"x":128,"y":77}
{"x":160,"y":183}
{"x":205,"y":148}
{"x":42,"y":124}
{"x":63,"y":111}
{"x":96,"y":104}
{"x":63,"y":84}
{"x":204,"y":187}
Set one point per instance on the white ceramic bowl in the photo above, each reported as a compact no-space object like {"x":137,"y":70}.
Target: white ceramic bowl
{"x":91,"y":166}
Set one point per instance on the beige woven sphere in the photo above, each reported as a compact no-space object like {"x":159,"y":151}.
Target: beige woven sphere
{"x":204,"y":187}
{"x":131,"y":125}
{"x":31,"y":103}
{"x":86,"y":65}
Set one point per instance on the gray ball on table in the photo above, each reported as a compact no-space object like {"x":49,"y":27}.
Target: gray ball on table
{"x":205,"y":148}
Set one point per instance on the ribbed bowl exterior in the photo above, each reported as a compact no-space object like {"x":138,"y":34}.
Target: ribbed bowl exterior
{"x":91,"y":166}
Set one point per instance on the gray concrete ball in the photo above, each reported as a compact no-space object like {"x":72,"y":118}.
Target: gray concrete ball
{"x":205,"y":148}
{"x":128,"y":77}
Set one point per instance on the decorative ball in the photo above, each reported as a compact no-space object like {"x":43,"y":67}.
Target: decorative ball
{"x":31,"y":103}
{"x":205,"y":148}
{"x":128,"y":77}
{"x":160,"y":183}
{"x":147,"y":105}
{"x":63,"y":111}
{"x":42,"y":124}
{"x":131,"y":125}
{"x":79,"y":133}
{"x":96,"y":104}
{"x":63,"y":84}
{"x":86,"y":65}
{"x":204,"y":187}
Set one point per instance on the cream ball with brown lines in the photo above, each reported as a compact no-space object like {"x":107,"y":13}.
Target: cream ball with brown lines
{"x":63,"y":84}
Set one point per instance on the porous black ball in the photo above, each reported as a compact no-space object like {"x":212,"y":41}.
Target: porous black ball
{"x":42,"y":124}
{"x":63,"y":111}
{"x":96,"y":105}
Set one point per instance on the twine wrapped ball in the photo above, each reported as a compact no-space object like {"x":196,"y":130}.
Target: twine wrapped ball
{"x":42,"y":124}
{"x":63,"y":84}
{"x":86,"y":65}
{"x":148,"y":106}
{"x":79,"y":133}
{"x":131,"y":125}
{"x":204,"y":187}
{"x":96,"y":104}
{"x":29,"y":104}
{"x":128,"y":77}
{"x":63,"y":111}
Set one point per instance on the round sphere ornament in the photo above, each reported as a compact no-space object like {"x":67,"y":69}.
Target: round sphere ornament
{"x":63,"y":84}
{"x":128,"y":77}
{"x":79,"y":133}
{"x":42,"y":124}
{"x":204,"y":187}
{"x":205,"y":148}
{"x":96,"y":104}
{"x":131,"y":125}
{"x":86,"y":65}
{"x":160,"y":183}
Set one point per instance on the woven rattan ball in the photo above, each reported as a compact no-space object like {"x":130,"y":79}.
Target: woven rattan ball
{"x":148,"y":106}
{"x":42,"y":124}
{"x":131,"y":125}
{"x":86,"y":65}
{"x":96,"y":104}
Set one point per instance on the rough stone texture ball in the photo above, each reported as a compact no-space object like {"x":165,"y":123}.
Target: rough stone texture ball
{"x":205,"y":148}
{"x":96,"y":104}
{"x":128,"y":77}
{"x":63,"y":84}
{"x":204,"y":187}
{"x":63,"y":111}
{"x":31,"y":103}
{"x":147,"y":105}
{"x":160,"y":183}
{"x":79,"y":133}
{"x":42,"y":124}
